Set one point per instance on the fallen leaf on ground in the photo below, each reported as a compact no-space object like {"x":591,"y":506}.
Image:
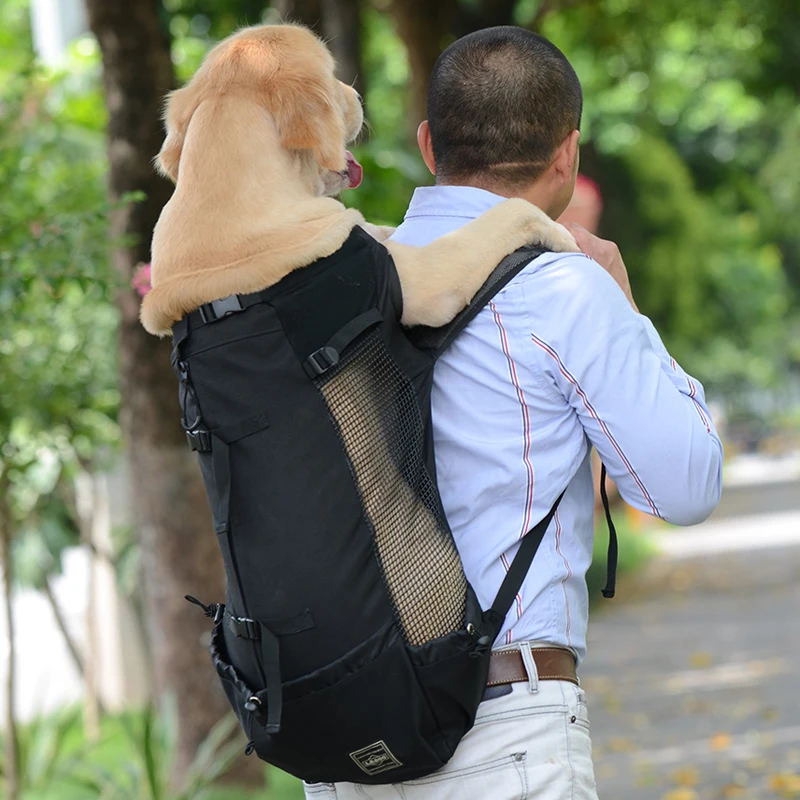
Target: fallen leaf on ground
{"x":731,"y":791}
{"x":680,"y":794}
{"x":686,"y":776}
{"x":700,"y":660}
{"x":619,"y":744}
{"x":787,"y":784}
{"x":720,"y":741}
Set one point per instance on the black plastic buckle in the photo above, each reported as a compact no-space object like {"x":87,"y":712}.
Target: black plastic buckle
{"x":216,"y":310}
{"x":199,"y":441}
{"x":320,"y":361}
{"x":245,"y":628}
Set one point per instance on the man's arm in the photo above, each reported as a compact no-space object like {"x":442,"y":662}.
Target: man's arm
{"x":646,"y":417}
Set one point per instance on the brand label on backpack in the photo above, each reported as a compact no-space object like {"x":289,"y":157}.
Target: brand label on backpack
{"x":375,"y":758}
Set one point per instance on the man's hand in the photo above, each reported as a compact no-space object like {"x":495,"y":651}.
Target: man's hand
{"x":606,"y":254}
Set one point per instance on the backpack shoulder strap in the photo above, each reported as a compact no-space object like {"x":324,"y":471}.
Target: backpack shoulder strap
{"x":519,"y":568}
{"x":437,"y":340}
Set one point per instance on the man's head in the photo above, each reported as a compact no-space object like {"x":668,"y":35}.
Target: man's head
{"x":504,"y":108}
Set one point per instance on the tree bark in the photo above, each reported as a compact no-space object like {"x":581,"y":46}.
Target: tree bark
{"x":427,"y":28}
{"x":10,"y":741}
{"x":179,"y":550}
{"x":308,"y":12}
{"x":85,"y":505}
{"x":72,"y":646}
{"x":341,"y":27}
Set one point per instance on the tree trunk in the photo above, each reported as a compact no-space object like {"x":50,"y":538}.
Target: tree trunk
{"x":427,"y":28}
{"x":308,"y":12}
{"x":341,"y":27}
{"x":10,"y":742}
{"x":85,"y":509}
{"x":179,"y":550}
{"x":72,"y":646}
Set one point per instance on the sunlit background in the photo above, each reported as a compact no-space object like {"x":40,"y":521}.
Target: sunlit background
{"x":690,"y":160}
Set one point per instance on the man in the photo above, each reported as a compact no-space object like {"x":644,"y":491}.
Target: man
{"x":560,"y":360}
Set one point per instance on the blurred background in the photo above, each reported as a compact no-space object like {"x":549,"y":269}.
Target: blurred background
{"x":691,"y":162}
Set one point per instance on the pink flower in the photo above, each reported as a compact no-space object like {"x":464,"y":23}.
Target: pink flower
{"x":141,"y":280}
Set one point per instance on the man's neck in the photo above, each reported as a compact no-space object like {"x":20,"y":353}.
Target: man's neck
{"x":537,"y":193}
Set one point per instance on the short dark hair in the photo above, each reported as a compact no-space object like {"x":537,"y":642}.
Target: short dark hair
{"x":500,"y":101}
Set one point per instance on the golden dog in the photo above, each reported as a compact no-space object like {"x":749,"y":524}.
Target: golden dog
{"x":256,"y":144}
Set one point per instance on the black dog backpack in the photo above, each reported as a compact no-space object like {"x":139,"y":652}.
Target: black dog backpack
{"x":350,"y":645}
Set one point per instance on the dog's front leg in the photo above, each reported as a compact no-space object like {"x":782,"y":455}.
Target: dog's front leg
{"x":440,"y":279}
{"x":378,"y":232}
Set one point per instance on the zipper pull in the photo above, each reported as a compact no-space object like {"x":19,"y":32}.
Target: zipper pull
{"x":482,"y":643}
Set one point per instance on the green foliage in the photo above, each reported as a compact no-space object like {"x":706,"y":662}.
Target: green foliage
{"x":691,"y":128}
{"x":131,"y":761}
{"x":713,"y":286}
{"x":58,"y":369}
{"x":144,"y":773}
{"x":48,"y":751}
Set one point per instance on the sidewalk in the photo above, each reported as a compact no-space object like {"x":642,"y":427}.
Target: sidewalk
{"x":692,"y":681}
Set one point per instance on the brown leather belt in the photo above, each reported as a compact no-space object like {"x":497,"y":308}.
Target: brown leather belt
{"x":552,"y":664}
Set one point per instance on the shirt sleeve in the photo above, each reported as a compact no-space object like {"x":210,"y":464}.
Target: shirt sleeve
{"x":647,"y":418}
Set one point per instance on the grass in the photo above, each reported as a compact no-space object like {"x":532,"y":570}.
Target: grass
{"x":129,"y":762}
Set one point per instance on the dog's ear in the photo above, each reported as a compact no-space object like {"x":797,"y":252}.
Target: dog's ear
{"x":307,"y":118}
{"x":177,"y":113}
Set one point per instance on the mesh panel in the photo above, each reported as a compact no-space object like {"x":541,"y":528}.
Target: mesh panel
{"x":379,"y":423}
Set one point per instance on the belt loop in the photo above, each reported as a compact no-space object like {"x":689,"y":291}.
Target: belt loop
{"x":530,"y":667}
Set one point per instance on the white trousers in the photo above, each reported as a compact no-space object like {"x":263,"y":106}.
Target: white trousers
{"x":525,"y":744}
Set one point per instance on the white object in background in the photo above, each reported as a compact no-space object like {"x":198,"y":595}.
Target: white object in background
{"x":55,"y":24}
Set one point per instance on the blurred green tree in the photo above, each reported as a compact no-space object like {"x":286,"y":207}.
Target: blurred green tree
{"x":179,"y":554}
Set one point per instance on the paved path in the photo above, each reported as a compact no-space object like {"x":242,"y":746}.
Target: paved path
{"x":693,"y":680}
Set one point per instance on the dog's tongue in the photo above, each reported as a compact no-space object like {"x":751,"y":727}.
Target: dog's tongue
{"x":354,"y":170}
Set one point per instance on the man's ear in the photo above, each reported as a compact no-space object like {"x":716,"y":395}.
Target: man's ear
{"x":307,"y":119}
{"x":566,"y":161}
{"x":177,"y":113}
{"x":426,"y":145}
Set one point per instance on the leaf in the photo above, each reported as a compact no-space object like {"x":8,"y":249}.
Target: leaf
{"x":620,"y":744}
{"x":681,"y":794}
{"x":731,"y":791}
{"x":700,"y":660}
{"x":151,"y":769}
{"x":686,"y":776}
{"x":785,"y":784}
{"x":720,"y":741}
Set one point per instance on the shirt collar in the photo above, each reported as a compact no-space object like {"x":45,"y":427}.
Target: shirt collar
{"x":467,"y":202}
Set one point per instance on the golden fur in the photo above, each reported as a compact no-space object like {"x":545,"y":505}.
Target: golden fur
{"x":256,"y":143}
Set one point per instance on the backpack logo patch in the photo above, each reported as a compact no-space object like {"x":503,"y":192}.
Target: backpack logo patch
{"x":375,"y":758}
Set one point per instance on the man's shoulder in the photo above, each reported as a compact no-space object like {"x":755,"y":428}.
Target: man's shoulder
{"x":567,"y":295}
{"x":572,"y":274}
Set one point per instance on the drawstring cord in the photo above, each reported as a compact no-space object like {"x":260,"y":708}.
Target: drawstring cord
{"x":212,"y":610}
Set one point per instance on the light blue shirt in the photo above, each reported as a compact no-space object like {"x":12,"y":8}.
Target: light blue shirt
{"x":557,"y":362}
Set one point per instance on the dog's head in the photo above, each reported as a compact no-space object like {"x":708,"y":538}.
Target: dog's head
{"x":289,"y":72}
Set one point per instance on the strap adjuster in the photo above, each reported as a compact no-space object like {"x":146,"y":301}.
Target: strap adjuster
{"x":217,"y":309}
{"x":199,"y":441}
{"x":244,"y":628}
{"x":320,"y":361}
